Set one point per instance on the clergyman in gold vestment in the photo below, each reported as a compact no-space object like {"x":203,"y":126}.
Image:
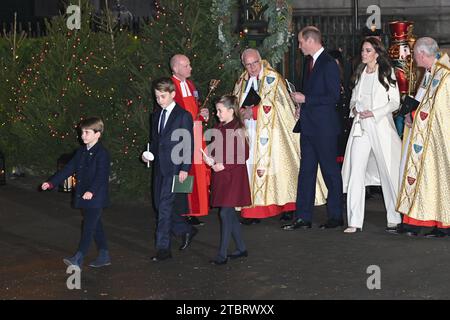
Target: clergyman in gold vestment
{"x":273,"y":164}
{"x":425,"y":187}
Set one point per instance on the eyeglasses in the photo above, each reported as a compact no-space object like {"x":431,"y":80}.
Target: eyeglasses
{"x":251,"y":64}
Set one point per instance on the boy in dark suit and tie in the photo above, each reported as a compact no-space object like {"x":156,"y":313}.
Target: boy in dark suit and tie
{"x":172,"y":147}
{"x":91,"y":166}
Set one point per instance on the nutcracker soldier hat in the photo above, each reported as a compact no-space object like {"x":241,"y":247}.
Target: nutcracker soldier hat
{"x":402,"y":43}
{"x":400,"y":30}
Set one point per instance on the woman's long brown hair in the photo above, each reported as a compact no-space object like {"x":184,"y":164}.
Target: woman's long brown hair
{"x":384,"y":65}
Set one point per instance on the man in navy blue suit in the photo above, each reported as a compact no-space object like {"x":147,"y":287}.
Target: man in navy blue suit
{"x":172,"y":146}
{"x":319,"y":127}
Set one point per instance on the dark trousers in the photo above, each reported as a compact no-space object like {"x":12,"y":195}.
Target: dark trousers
{"x":170,"y":207}
{"x":92,"y":227}
{"x":319,"y":150}
{"x":231,"y":227}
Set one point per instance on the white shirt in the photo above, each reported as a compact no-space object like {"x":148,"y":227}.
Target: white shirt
{"x":367,"y":82}
{"x":317,"y":54}
{"x":168,"y":112}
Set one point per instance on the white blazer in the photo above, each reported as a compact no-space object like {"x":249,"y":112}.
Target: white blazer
{"x":386,"y":143}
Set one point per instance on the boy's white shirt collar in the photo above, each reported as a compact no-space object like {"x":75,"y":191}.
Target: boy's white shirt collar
{"x":90,"y":147}
{"x":168,"y":111}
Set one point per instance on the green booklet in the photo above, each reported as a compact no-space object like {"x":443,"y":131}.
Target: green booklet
{"x":185,"y":187}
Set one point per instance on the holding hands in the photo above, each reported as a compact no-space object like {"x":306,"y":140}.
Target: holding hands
{"x":365,"y":114}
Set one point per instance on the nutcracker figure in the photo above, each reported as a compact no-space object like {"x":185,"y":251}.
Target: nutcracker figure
{"x":401,"y":53}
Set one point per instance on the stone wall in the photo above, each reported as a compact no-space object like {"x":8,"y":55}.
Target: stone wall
{"x":431,"y":17}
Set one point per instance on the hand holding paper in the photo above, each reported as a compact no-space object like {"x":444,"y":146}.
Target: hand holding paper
{"x":298,"y":97}
{"x":208,"y":160}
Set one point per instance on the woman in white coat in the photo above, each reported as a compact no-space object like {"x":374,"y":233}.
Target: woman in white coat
{"x":372,"y":155}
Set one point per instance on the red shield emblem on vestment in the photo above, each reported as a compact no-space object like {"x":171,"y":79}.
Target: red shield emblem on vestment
{"x":260,"y":172}
{"x":267,"y":109}
{"x":423,"y":115}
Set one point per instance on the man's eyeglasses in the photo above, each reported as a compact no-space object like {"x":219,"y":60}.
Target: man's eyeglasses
{"x":251,"y":64}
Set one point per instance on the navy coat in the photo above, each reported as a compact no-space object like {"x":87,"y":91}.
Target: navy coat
{"x":91,"y":168}
{"x":319,"y":116}
{"x":163,"y":144}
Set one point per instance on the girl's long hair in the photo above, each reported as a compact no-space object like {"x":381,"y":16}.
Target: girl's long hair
{"x":384,"y":65}
{"x":231,"y":102}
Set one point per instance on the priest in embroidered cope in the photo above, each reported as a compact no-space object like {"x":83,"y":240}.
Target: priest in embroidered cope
{"x":425,"y":186}
{"x":273,"y":164}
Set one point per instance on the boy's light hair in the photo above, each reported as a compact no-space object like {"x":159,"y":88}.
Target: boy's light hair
{"x":93,"y":123}
{"x":164,"y":85}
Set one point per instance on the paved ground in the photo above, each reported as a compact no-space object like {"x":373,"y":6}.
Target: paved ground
{"x":38,"y":229}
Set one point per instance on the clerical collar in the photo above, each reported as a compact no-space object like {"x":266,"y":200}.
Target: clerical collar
{"x":253,"y":81}
{"x":185,"y":91}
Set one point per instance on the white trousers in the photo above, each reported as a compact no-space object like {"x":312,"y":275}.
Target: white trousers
{"x":356,"y":194}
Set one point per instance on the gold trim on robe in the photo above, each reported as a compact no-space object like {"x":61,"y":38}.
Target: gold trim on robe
{"x":276,"y":153}
{"x":425,"y":188}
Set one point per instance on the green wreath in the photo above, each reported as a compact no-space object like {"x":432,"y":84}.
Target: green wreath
{"x":279,"y":16}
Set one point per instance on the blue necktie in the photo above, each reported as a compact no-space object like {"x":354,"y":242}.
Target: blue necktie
{"x":163,"y":120}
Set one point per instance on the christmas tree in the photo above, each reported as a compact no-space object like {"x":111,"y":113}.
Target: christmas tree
{"x":184,"y":27}
{"x":73,"y":74}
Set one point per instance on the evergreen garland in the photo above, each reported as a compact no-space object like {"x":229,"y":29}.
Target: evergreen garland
{"x":279,"y":16}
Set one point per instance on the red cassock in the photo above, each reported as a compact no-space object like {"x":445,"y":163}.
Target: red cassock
{"x":198,"y":199}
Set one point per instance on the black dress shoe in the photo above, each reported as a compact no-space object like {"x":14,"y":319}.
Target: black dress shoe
{"x":435,"y":233}
{"x":162,"y":255}
{"x":330,"y":224}
{"x":238,"y":255}
{"x":298,"y":223}
{"x":250,"y":221}
{"x":287,"y":216}
{"x":194,"y":221}
{"x":187,"y":238}
{"x":218,"y":262}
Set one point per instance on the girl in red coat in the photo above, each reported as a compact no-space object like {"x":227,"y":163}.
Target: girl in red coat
{"x":229,"y":184}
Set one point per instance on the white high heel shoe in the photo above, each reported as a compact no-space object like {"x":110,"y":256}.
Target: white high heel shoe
{"x":352,"y":230}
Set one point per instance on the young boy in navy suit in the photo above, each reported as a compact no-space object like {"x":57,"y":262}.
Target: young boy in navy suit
{"x":91,"y":166}
{"x":172,"y":148}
